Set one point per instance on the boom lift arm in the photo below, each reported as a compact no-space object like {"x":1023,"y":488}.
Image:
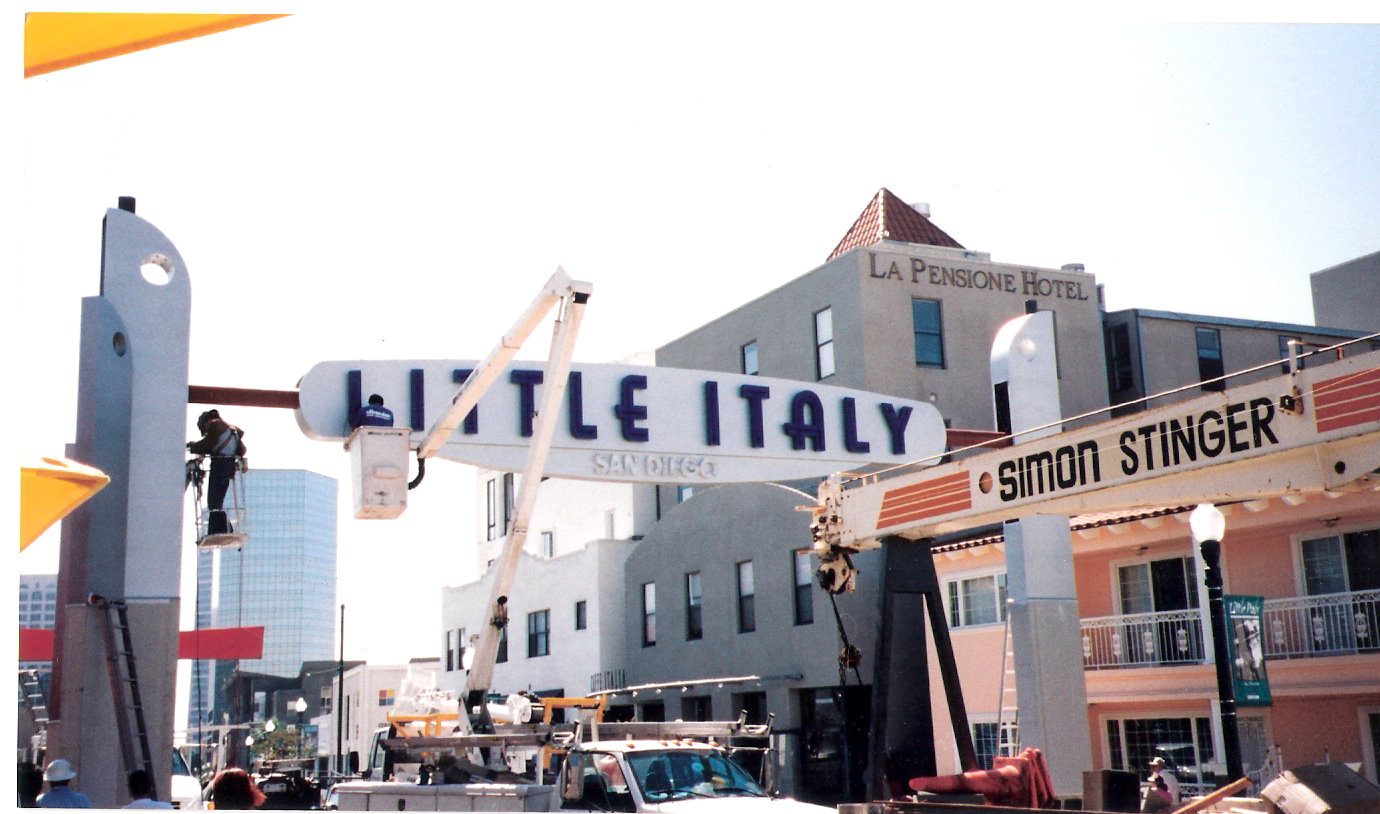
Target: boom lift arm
{"x":1309,"y":431}
{"x":571,"y":296}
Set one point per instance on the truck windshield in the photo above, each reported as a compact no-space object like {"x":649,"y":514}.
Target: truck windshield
{"x":669,"y":774}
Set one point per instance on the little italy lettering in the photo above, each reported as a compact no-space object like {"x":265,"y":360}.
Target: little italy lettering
{"x":1025,"y":282}
{"x":628,"y":423}
{"x":1207,"y":434}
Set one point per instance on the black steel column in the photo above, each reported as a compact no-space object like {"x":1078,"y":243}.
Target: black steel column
{"x":1226,"y":693}
{"x":902,"y":737}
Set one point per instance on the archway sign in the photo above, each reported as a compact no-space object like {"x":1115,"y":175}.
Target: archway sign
{"x":635,"y":423}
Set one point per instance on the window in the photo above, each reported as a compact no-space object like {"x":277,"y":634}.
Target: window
{"x":653,"y":711}
{"x":491,"y":508}
{"x":1184,"y":743}
{"x":694,"y":623}
{"x":502,"y":655}
{"x":1119,"y":378}
{"x":1210,"y":358}
{"x":748,"y":357}
{"x":452,"y":650}
{"x":538,"y":633}
{"x":696,"y":708}
{"x":977,"y":600}
{"x":327,"y":699}
{"x":747,"y":615}
{"x":1158,"y":585}
{"x":548,"y":543}
{"x":988,"y":742}
{"x":507,"y":501}
{"x":387,"y":697}
{"x":648,"y":614}
{"x":1285,"y":351}
{"x":929,"y":332}
{"x":804,"y":584}
{"x":1349,"y":562}
{"x":824,"y":343}
{"x":684,"y":493}
{"x":581,"y":617}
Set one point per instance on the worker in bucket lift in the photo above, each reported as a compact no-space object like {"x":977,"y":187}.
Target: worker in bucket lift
{"x":373,"y":414}
{"x":223,"y":442}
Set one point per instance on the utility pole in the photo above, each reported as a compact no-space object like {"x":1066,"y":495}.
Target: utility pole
{"x":340,"y":700}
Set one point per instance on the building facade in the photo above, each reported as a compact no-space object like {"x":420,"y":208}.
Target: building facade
{"x":717,"y":606}
{"x":283,"y":578}
{"x":565,"y":624}
{"x":1346,"y":295}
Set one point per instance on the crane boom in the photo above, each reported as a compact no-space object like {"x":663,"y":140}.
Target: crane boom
{"x":1311,"y":430}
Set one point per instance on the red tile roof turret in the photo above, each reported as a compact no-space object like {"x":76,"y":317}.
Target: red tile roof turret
{"x":887,"y":217}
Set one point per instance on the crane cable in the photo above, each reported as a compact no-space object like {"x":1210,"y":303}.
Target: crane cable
{"x":849,"y":655}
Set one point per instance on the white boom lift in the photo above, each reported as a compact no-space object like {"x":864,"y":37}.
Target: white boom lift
{"x":571,"y":296}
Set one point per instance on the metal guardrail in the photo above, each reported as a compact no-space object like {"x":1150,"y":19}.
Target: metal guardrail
{"x":1322,"y":625}
{"x":1294,"y":627}
{"x":1142,"y":639}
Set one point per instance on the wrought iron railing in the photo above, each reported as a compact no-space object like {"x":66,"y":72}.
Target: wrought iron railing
{"x":1322,"y":625}
{"x":1142,"y":639}
{"x":1294,"y":627}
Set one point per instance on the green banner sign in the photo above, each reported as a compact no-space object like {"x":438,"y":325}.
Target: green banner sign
{"x":1246,"y":650}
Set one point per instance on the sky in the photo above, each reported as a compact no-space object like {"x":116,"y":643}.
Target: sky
{"x":398,"y":184}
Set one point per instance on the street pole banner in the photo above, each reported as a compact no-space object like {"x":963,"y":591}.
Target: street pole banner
{"x":1246,"y":650}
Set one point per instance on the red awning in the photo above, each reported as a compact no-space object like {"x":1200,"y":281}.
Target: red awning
{"x":36,"y":644}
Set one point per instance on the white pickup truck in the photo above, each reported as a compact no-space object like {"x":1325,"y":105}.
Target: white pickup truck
{"x":669,"y":776}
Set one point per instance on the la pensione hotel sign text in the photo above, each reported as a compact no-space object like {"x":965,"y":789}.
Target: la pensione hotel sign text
{"x":1024,"y":282}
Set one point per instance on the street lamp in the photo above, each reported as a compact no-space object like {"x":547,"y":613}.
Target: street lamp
{"x":1208,"y":526}
{"x":300,"y":706}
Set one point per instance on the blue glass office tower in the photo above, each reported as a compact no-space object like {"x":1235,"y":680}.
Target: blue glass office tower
{"x":283,"y":579}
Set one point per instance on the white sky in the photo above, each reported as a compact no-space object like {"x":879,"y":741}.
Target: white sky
{"x":395,"y":185}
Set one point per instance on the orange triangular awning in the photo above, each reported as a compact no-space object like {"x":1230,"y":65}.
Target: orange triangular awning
{"x":54,"y":40}
{"x":50,"y":488}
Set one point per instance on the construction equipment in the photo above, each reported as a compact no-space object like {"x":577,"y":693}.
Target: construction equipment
{"x":1313,"y":430}
{"x":124,"y":685}
{"x":1022,"y":780}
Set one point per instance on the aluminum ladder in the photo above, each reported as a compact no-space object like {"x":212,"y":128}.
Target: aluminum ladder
{"x":120,"y":663}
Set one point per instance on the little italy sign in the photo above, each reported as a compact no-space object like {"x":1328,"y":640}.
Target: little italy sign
{"x":630,"y":423}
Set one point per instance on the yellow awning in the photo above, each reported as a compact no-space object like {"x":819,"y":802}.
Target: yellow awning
{"x":55,"y":40}
{"x":49,"y":488}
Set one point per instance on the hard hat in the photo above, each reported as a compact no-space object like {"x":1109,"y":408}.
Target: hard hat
{"x":58,"y":771}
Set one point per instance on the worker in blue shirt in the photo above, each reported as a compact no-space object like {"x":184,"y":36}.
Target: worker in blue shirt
{"x":373,"y":414}
{"x":60,"y":795}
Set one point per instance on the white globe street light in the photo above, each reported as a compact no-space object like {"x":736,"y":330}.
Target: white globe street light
{"x":1208,"y":526}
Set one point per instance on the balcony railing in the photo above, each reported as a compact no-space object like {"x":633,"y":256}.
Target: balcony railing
{"x":1142,"y":639}
{"x":1296,"y":627}
{"x":1322,"y":625}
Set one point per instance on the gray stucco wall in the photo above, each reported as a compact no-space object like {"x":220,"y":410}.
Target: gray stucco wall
{"x":870,"y":291}
{"x":765,"y":528}
{"x":1348,"y":295}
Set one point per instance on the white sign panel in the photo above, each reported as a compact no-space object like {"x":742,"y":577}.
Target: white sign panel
{"x":629,"y":423}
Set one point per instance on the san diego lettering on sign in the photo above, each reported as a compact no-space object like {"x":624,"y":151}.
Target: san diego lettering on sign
{"x":1026,"y":283}
{"x":1239,"y":427}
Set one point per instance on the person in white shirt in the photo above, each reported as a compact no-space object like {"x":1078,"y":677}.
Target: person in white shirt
{"x":1157,"y":769}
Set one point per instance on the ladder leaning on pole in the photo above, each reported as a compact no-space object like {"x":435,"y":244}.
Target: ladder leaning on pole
{"x":37,"y":704}
{"x":119,"y":659}
{"x":1007,"y":734}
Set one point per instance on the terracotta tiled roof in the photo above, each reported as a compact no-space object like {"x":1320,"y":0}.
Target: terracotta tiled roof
{"x":887,"y":217}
